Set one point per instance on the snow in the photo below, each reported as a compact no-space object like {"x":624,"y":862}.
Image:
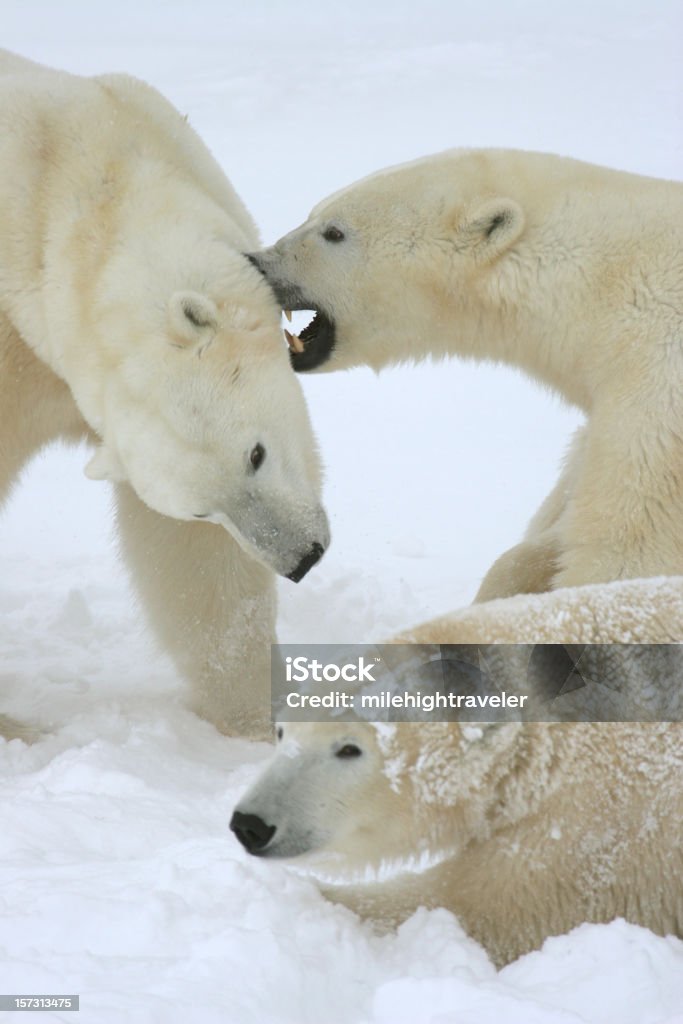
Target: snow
{"x":119,"y":878}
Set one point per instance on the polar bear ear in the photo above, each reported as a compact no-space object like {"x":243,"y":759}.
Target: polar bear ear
{"x":494,"y":225}
{"x":191,"y":316}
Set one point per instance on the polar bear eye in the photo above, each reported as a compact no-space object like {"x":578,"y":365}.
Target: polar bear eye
{"x":349,"y":750}
{"x":333,"y":234}
{"x":258,"y":454}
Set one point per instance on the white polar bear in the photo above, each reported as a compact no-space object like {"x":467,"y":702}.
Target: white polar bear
{"x":626,"y":612}
{"x":573,"y":273}
{"x":129,"y":315}
{"x":523,"y":831}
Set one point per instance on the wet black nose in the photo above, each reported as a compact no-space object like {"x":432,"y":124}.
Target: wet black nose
{"x":252,"y":831}
{"x":307,"y":562}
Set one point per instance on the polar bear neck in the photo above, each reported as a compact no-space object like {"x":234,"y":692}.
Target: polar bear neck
{"x":574,"y":298}
{"x":590,"y":282}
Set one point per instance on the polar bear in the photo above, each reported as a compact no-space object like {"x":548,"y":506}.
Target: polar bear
{"x":129,"y":316}
{"x":646,"y":611}
{"x":572,"y":272}
{"x":522,"y":830}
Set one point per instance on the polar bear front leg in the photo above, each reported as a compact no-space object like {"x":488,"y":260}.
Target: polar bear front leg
{"x":624,"y":518}
{"x":531,"y":566}
{"x":212,"y":608}
{"x":527,"y":568}
{"x":36,"y":407}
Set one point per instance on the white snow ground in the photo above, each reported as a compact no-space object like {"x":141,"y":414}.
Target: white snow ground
{"x":119,"y":879}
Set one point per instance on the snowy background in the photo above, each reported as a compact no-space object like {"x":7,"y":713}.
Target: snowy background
{"x":118,"y":877}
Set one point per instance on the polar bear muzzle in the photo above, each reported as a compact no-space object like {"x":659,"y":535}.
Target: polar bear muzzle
{"x":310,"y":559}
{"x":253,"y":832}
{"x":261,"y":839}
{"x":318,"y":338}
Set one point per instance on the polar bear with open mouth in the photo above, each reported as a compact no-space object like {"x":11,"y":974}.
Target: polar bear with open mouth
{"x":571,"y":272}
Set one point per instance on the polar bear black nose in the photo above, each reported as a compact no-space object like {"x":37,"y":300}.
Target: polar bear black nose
{"x":307,"y":562}
{"x":252,"y":831}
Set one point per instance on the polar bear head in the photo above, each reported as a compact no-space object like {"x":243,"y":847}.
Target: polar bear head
{"x":360,"y":796}
{"x":199,"y":411}
{"x":325,"y":790}
{"x":395,"y":263}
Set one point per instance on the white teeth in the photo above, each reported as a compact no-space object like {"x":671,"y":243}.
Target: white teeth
{"x":288,"y":314}
{"x":294,"y":342}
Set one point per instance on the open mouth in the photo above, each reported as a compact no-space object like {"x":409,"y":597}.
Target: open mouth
{"x":314,"y":344}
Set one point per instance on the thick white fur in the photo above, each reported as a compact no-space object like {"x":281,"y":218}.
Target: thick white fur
{"x":129,"y":316}
{"x":625,"y":612}
{"x":573,"y":273}
{"x":523,"y":831}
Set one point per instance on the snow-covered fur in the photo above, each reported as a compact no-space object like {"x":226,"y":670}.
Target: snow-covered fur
{"x":128,"y":315}
{"x":530,"y":830}
{"x":522,"y":830}
{"x":646,"y":611}
{"x":572,"y":272}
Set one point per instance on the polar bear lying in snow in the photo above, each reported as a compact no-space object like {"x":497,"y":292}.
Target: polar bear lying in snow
{"x":523,"y":831}
{"x":129,"y":316}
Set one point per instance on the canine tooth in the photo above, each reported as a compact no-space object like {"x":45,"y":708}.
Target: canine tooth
{"x":294,"y":342}
{"x":288,"y":314}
